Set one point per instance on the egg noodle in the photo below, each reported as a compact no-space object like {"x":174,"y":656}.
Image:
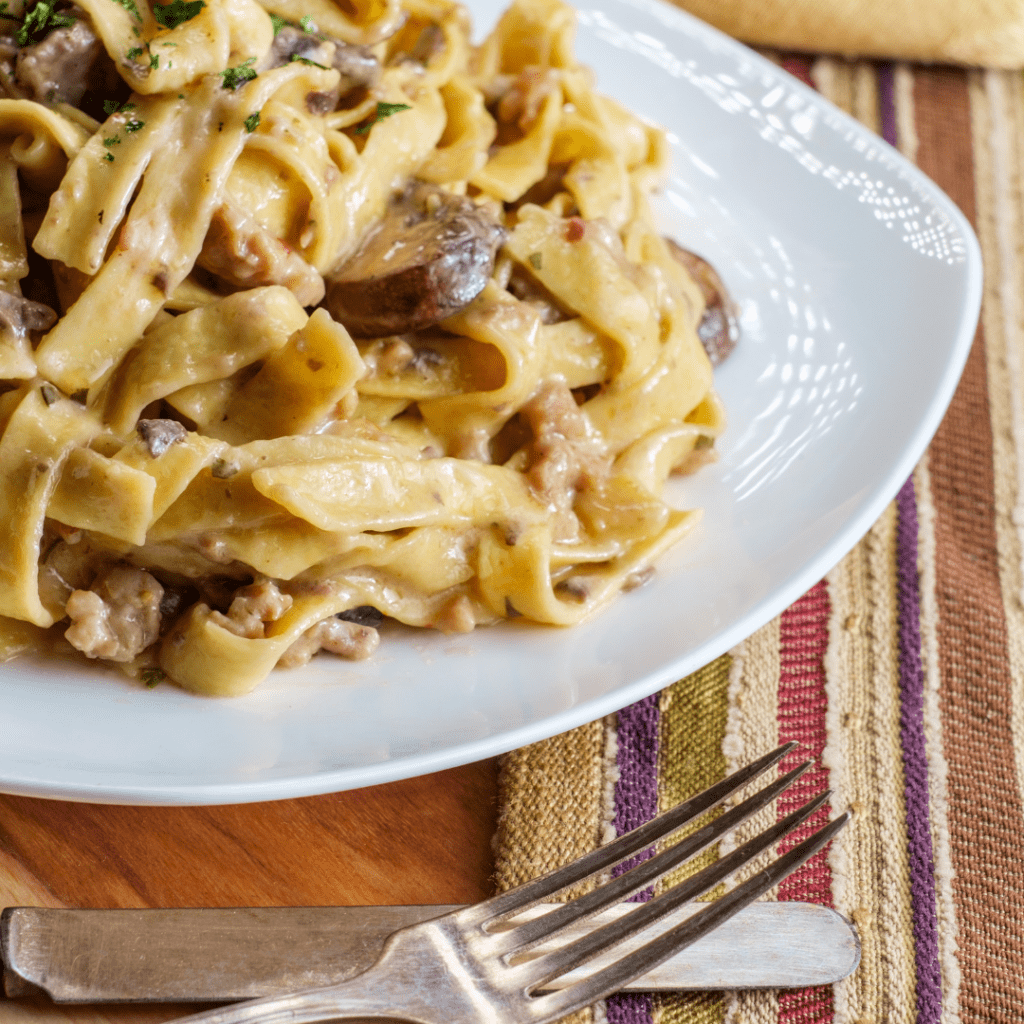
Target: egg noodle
{"x":200,"y":470}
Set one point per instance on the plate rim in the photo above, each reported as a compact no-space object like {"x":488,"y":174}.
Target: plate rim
{"x":767,"y":608}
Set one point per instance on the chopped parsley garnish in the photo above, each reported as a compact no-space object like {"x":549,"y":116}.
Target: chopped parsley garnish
{"x":113,"y":107}
{"x":306,"y":24}
{"x":278,"y":22}
{"x":109,"y":157}
{"x":130,"y":7}
{"x":177,"y":12}
{"x":252,"y":122}
{"x":134,"y":126}
{"x":135,"y":51}
{"x":112,"y":141}
{"x":383,"y":110}
{"x":154,"y":61}
{"x":536,"y":260}
{"x":151,"y":677}
{"x":37,"y":22}
{"x":295,"y":58}
{"x":234,"y":77}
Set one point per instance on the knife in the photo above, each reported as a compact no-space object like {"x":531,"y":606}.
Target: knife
{"x":225,"y":955}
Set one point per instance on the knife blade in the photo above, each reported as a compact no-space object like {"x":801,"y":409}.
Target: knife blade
{"x":224,"y":955}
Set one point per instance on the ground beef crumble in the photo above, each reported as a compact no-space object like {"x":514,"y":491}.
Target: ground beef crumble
{"x":118,"y":617}
{"x":253,"y":606}
{"x":347,"y":639}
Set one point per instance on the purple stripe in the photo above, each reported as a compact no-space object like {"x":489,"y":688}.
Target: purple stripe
{"x":636,"y":801}
{"x":887,"y":102}
{"x":636,"y":792}
{"x":915,"y":763}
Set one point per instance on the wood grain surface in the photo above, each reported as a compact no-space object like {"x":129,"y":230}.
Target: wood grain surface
{"x":422,"y":840}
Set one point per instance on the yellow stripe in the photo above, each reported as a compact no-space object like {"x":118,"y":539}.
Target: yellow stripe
{"x":693,"y":717}
{"x":938,"y":768}
{"x":551,"y":798}
{"x":870,"y":872}
{"x":752,"y":729}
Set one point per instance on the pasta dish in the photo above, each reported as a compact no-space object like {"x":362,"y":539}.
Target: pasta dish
{"x":314,"y":314}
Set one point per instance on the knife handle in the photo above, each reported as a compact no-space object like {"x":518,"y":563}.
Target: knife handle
{"x":214,"y":955}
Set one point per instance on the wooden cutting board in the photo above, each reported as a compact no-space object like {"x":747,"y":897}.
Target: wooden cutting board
{"x":423,"y":840}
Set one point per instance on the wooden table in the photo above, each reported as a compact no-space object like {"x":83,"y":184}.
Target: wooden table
{"x":423,"y":840}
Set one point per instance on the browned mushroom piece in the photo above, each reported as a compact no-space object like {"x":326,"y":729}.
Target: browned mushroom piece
{"x":719,"y":328}
{"x":18,"y":315}
{"x":357,"y":65}
{"x":430,"y":257}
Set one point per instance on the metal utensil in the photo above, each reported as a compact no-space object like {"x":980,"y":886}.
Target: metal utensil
{"x":225,"y":955}
{"x":483,"y":962}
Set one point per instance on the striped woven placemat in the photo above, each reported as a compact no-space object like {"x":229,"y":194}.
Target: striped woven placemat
{"x":901,"y":673}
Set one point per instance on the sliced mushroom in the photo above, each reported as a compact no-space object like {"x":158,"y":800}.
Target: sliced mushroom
{"x":719,"y":328}
{"x":57,"y":69}
{"x":159,"y":435}
{"x":430,"y":257}
{"x":356,"y":64}
{"x":9,"y":86}
{"x":18,"y":315}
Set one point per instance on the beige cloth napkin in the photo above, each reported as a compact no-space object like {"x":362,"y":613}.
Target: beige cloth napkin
{"x":988,"y":33}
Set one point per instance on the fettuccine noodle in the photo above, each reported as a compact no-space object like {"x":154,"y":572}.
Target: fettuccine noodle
{"x":236,"y":427}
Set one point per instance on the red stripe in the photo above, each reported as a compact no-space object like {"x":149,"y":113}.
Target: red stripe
{"x":802,"y":707}
{"x":799,"y":66}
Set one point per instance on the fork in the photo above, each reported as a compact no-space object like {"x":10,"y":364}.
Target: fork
{"x":479,"y":964}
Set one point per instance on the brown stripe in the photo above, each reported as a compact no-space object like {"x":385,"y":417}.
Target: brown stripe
{"x":985,"y":810}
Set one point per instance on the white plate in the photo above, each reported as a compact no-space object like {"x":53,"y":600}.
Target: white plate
{"x":860,"y":285}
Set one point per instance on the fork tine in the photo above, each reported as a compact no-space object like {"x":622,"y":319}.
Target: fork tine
{"x":645,"y":959}
{"x":523,"y":936}
{"x":552,"y":965}
{"x":605,"y":857}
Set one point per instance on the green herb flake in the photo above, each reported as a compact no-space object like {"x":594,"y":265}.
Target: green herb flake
{"x":112,"y":141}
{"x":135,"y":51}
{"x":134,"y":126}
{"x":177,"y":12}
{"x":111,"y":107}
{"x":252,"y":122}
{"x":383,"y":110}
{"x":38,"y":21}
{"x":109,"y":157}
{"x":278,"y":22}
{"x":307,"y":26}
{"x":151,"y":677}
{"x":536,"y":260}
{"x":296,"y":59}
{"x":154,"y":61}
{"x":130,"y":7}
{"x":234,"y":77}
